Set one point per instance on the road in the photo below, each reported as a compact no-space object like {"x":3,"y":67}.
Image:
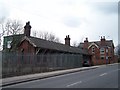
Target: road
{"x":106,"y":76}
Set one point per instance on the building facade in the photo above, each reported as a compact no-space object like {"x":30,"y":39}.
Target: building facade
{"x":27,"y":48}
{"x":102,"y":51}
{"x":97,"y":52}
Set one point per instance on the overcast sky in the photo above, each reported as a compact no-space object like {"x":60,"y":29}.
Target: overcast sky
{"x":77,"y":18}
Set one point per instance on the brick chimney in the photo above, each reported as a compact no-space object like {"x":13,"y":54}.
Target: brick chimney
{"x":103,"y":40}
{"x":27,"y":29}
{"x":86,"y":43}
{"x":67,"y":40}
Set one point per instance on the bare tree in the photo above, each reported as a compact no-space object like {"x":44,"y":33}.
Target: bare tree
{"x":53,"y":38}
{"x":2,"y":26}
{"x":2,"y":30}
{"x":47,"y":36}
{"x":13,"y":27}
{"x":10,"y":27}
{"x":44,"y":35}
{"x":75,"y":44}
{"x":117,"y":50}
{"x":34,"y":33}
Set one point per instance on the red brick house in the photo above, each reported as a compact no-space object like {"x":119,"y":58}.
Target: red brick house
{"x":97,"y":52}
{"x":102,"y":51}
{"x":34,"y":45}
{"x":28,"y":54}
{"x":37,"y":46}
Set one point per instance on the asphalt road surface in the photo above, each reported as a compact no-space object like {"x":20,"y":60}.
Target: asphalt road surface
{"x":103,"y":77}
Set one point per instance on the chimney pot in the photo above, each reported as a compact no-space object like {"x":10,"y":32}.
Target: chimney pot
{"x":27,"y":28}
{"x":68,"y":36}
{"x":67,"y":40}
{"x":103,"y":40}
{"x":86,"y":43}
{"x":86,"y":40}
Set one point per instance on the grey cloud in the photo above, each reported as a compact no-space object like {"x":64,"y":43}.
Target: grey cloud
{"x":72,"y":21}
{"x":106,"y":7}
{"x":4,"y":10}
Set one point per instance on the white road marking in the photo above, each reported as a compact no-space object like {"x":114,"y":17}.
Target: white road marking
{"x":44,"y":79}
{"x":74,"y":84}
{"x":103,"y":74}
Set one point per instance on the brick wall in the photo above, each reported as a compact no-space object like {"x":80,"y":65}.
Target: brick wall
{"x":26,"y":47}
{"x":94,"y":49}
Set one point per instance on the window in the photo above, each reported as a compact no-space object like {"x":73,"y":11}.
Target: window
{"x":111,"y":51}
{"x":106,"y":50}
{"x":107,"y":57}
{"x":9,"y":44}
{"x":102,"y":51}
{"x":102,"y":56}
{"x":93,"y":49}
{"x":22,"y":50}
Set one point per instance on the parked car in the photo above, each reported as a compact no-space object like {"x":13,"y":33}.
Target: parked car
{"x":86,"y":63}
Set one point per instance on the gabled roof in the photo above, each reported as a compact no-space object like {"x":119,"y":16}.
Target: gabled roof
{"x":93,"y":44}
{"x":108,"y":43}
{"x":15,"y":39}
{"x":15,"y":35}
{"x":41,"y":43}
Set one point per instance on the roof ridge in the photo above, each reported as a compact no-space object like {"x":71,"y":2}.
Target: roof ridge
{"x":53,"y":42}
{"x":54,"y":45}
{"x":14,"y":35}
{"x":46,"y":40}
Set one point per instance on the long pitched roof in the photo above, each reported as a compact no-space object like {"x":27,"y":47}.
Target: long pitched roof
{"x":37,"y":42}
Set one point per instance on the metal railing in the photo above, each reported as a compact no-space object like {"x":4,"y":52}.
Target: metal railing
{"x":17,"y":64}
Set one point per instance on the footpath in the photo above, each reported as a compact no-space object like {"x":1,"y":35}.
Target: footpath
{"x":31,"y":77}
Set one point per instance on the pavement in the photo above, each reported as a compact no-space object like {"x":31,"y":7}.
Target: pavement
{"x":31,"y":77}
{"x":106,"y":76}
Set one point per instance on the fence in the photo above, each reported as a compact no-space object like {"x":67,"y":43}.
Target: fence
{"x":0,"y":64}
{"x":17,"y":64}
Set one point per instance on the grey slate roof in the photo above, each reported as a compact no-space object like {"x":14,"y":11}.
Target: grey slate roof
{"x":54,"y":46}
{"x":109,"y":43}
